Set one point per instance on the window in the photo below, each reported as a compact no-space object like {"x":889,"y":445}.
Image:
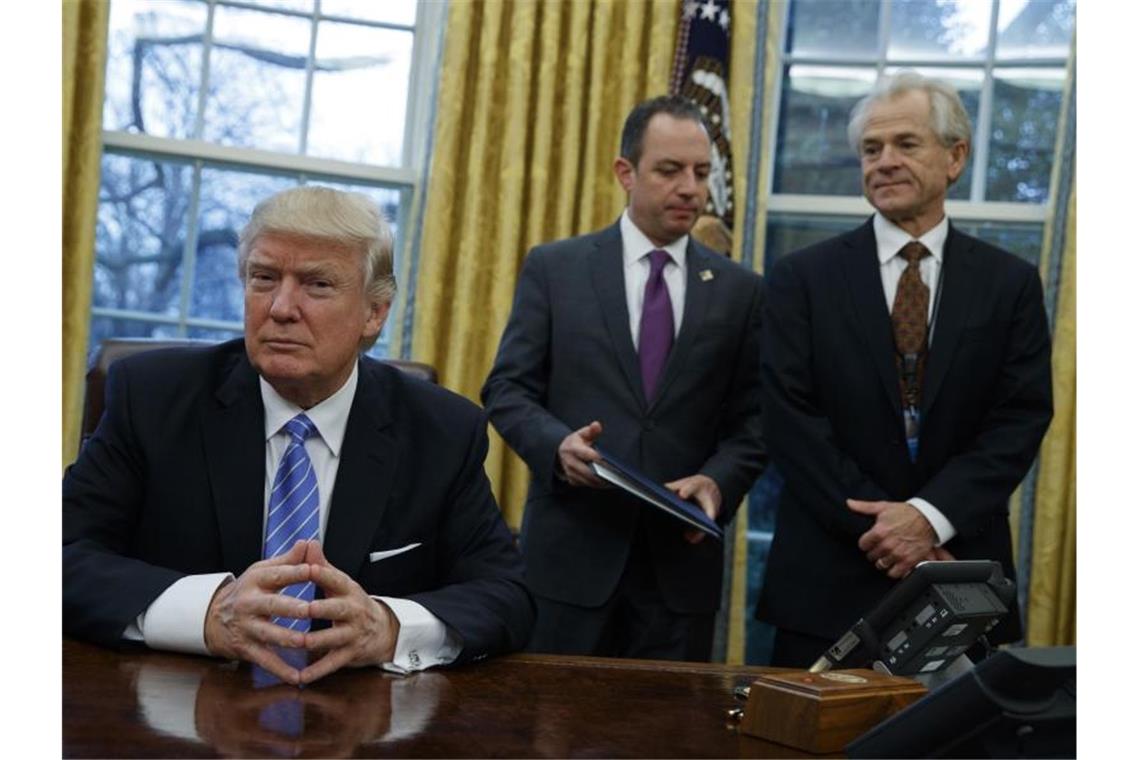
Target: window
{"x":213,"y":105}
{"x":1007,"y":59}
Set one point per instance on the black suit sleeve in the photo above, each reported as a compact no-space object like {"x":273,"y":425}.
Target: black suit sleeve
{"x":798,"y":433}
{"x":515,"y":392}
{"x":740,"y":456}
{"x":988,"y":469}
{"x":482,"y":595}
{"x":103,"y":590}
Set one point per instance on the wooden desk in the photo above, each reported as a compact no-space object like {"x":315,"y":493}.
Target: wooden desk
{"x":151,"y":704}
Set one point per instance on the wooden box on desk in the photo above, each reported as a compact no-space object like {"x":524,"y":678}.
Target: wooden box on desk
{"x":822,"y":712}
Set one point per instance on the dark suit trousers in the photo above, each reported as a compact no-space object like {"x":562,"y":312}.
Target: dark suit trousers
{"x":634,"y":622}
{"x":791,"y":649}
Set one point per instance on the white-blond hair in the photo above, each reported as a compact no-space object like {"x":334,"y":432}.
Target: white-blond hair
{"x":948,"y":117}
{"x":347,"y":219}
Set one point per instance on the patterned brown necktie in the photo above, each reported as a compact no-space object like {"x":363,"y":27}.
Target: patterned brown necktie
{"x":908,"y":317}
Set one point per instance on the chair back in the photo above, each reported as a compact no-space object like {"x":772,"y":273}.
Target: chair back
{"x":113,"y":349}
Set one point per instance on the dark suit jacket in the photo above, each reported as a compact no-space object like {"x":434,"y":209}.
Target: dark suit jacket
{"x":567,"y":358}
{"x":172,"y":483}
{"x":833,"y":416}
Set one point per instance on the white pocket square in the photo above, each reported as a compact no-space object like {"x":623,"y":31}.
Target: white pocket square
{"x":377,"y":556}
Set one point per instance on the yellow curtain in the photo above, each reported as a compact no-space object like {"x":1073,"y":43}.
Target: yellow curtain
{"x":84,"y":56}
{"x":1053,"y":583}
{"x":532,"y":97}
{"x":742,"y":96}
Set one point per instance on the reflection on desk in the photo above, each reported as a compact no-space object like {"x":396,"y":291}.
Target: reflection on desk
{"x":153,"y":704}
{"x":209,"y":703}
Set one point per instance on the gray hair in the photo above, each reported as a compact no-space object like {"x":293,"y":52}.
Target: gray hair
{"x":948,"y":116}
{"x":321,"y":213}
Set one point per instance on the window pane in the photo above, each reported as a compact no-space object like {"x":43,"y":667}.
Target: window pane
{"x":1026,"y":104}
{"x":140,"y":233}
{"x":968,"y":83}
{"x":1024,"y":240}
{"x":787,"y":233}
{"x":391,"y":11}
{"x":227,"y":200}
{"x":937,"y":29}
{"x":1035,"y":29}
{"x":257,"y":80}
{"x":164,"y":40}
{"x":812,"y":154}
{"x":834,"y":28}
{"x":360,"y":93}
{"x":790,"y":232}
{"x":305,"y":6}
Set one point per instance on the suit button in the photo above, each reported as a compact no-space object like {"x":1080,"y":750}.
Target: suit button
{"x":648,"y":425}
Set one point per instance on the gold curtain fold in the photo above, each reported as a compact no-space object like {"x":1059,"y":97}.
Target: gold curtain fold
{"x":84,"y":57}
{"x":742,"y":95}
{"x":1052,"y":615}
{"x":532,"y":97}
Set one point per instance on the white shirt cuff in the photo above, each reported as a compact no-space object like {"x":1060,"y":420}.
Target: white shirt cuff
{"x":176,"y":620}
{"x":423,"y":642}
{"x":942,"y":527}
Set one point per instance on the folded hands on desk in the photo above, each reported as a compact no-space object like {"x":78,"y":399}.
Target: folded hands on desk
{"x":239,"y":622}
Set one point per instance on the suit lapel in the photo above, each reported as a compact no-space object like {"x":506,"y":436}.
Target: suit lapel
{"x":952,"y":306}
{"x":698,"y":295}
{"x":368,"y":460}
{"x":608,"y":276}
{"x":861,"y":268}
{"x":234,"y":442}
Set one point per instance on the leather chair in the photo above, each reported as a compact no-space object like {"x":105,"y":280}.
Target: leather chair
{"x":113,"y":349}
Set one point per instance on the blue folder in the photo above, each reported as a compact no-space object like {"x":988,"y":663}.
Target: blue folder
{"x":630,"y":479}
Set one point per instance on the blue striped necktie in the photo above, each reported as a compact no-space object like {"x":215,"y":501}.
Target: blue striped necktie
{"x":294,"y":508}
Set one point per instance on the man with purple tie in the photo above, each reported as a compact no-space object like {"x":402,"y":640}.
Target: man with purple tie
{"x":642,"y":340}
{"x":283,"y":494}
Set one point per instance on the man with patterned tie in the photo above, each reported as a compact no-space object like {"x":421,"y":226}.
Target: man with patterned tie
{"x":906,"y":382}
{"x":642,"y":340}
{"x":348,"y":499}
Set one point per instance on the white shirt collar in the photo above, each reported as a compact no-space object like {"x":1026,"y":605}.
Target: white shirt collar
{"x":890,"y":238}
{"x":330,"y":416}
{"x":635,"y":245}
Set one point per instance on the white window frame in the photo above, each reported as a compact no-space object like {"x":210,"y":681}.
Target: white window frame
{"x":406,"y":179}
{"x":974,"y":209}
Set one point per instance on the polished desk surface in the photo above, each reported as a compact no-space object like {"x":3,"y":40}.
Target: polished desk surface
{"x":152,"y":704}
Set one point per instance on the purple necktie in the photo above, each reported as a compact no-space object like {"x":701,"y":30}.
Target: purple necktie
{"x":656,"y":334}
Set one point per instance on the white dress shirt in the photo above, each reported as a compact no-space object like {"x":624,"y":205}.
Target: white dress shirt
{"x":176,"y":619}
{"x":890,"y":239}
{"x":635,"y":250}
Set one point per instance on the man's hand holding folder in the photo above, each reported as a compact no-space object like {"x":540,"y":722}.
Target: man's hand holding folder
{"x":703,"y":490}
{"x":671,"y":497}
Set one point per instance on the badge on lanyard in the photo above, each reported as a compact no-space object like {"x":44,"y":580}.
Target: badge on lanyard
{"x":910,"y":400}
{"x":910,"y":421}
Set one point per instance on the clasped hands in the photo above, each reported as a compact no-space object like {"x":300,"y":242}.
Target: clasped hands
{"x":239,"y":621}
{"x":576,"y":453}
{"x":900,"y":538}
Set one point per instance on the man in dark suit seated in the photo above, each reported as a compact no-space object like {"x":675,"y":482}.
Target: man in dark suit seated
{"x":348,"y":499}
{"x":641,"y":339}
{"x":906,"y":383}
